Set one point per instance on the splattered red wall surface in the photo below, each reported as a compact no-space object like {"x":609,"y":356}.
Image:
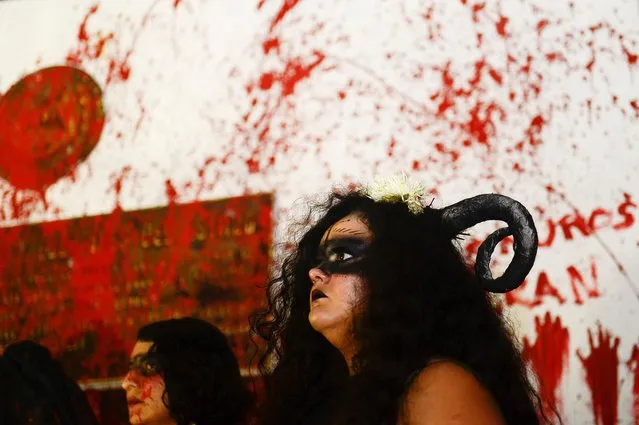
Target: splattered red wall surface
{"x":187,"y":101}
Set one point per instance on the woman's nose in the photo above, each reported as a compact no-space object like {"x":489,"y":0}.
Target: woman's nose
{"x":317,"y":275}
{"x":127,"y":382}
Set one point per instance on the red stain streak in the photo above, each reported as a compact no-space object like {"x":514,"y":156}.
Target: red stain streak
{"x":548,"y":356}
{"x":533,"y":132}
{"x":176,"y":3}
{"x":287,"y":6}
{"x":90,"y":47}
{"x":501,"y":26}
{"x":271,"y":44}
{"x":635,"y":105}
{"x":602,"y":376}
{"x":630,"y":57}
{"x":294,"y":72}
{"x":391,"y":148}
{"x":633,"y":365}
{"x":118,"y":180}
{"x":171,"y":192}
{"x":541,"y":25}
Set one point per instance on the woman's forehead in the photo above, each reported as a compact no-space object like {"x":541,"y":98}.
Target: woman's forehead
{"x":140,"y":348}
{"x":353,"y":225}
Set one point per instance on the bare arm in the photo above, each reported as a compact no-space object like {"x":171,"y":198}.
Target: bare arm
{"x":447,"y":394}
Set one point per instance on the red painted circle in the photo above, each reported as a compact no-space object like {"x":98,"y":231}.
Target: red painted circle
{"x":50,"y":121}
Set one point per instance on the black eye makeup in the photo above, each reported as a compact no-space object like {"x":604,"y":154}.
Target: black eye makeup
{"x":341,"y":255}
{"x":144,"y":365}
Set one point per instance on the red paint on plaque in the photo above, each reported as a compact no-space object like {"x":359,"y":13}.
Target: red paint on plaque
{"x":548,"y":356}
{"x":601,"y":368}
{"x":84,"y":286}
{"x":50,"y":121}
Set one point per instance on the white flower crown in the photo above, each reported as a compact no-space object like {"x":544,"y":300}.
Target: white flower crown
{"x":396,"y":188}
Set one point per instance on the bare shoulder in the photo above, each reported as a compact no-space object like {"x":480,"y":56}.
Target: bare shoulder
{"x":445,"y":393}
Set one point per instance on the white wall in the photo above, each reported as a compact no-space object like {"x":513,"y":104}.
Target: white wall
{"x":373,"y":75}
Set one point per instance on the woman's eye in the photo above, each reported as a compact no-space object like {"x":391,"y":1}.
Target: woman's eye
{"x":149,"y":369}
{"x":339,"y":255}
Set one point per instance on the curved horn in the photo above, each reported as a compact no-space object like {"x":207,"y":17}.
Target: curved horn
{"x":469,"y":212}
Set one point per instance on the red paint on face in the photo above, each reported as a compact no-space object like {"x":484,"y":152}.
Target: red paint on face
{"x":145,"y":394}
{"x":601,"y":367}
{"x":548,"y":356}
{"x":633,"y":364}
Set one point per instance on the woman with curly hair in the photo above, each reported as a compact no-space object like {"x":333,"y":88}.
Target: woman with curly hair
{"x":183,"y":372}
{"x":374,"y":318}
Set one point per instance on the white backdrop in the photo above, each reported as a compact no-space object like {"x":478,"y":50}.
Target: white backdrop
{"x":535,"y":99}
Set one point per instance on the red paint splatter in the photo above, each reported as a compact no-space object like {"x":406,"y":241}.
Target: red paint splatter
{"x":633,"y":365}
{"x":391,"y":148}
{"x":630,"y":57}
{"x":20,"y":204}
{"x":294,"y":72}
{"x":271,"y":44}
{"x":118,"y":180}
{"x":548,"y":356}
{"x":533,"y":132}
{"x":91,"y":46}
{"x":501,"y":26}
{"x":171,"y":193}
{"x":287,"y":6}
{"x":541,"y":25}
{"x":480,"y":125}
{"x":602,"y":375}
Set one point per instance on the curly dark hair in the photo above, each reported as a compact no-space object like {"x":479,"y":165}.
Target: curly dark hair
{"x":423,"y":303}
{"x":34,"y":389}
{"x":202,"y":378}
